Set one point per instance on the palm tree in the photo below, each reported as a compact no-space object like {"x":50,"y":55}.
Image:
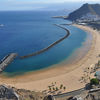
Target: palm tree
{"x":57,"y":89}
{"x":53,"y":88}
{"x":49,"y":88}
{"x":64,"y":88}
{"x":61,"y":86}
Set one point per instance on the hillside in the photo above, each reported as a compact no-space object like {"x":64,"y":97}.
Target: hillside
{"x":89,"y":11}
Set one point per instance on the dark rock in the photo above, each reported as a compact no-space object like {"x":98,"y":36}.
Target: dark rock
{"x":7,"y":93}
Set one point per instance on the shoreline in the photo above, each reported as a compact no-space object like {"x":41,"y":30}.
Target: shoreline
{"x":68,"y":61}
{"x":67,"y":74}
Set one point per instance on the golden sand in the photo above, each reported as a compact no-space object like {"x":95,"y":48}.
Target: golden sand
{"x":68,"y":75}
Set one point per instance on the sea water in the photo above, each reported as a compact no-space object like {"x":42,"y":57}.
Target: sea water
{"x":25,"y":32}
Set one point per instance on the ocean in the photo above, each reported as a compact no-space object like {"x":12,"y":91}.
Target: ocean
{"x":25,"y":32}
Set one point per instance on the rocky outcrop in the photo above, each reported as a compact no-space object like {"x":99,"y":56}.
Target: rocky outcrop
{"x":11,"y":93}
{"x":49,"y":97}
{"x":7,"y":93}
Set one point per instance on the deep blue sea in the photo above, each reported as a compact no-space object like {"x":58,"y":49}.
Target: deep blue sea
{"x":25,"y":32}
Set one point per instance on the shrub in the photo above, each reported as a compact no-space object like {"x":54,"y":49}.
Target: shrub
{"x":94,"y":81}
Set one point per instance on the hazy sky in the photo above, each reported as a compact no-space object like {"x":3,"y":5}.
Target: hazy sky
{"x":42,"y":4}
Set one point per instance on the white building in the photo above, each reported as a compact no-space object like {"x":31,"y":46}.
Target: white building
{"x":88,"y":17}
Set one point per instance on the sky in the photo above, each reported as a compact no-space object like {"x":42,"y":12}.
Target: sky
{"x":42,"y":4}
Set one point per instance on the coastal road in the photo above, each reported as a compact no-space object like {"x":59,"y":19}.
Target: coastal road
{"x":68,"y":94}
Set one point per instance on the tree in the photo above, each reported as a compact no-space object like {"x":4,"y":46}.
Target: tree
{"x":56,"y":88}
{"x":49,"y":88}
{"x":53,"y":89}
{"x":64,"y":88}
{"x":61,"y":86}
{"x":94,"y":81}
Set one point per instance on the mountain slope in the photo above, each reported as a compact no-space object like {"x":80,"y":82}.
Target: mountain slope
{"x":85,"y":10}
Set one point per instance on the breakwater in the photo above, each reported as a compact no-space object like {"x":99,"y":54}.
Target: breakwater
{"x":7,"y":60}
{"x":51,"y":45}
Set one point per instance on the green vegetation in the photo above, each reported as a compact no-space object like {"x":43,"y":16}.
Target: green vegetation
{"x":49,"y":88}
{"x":55,"y":88}
{"x":64,"y":88}
{"x":94,"y":81}
{"x":61,"y":86}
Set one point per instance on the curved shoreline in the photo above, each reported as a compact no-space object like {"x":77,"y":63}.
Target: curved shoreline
{"x":51,"y":45}
{"x":40,"y":81}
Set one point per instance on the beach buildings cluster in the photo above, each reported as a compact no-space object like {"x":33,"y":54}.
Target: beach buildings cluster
{"x":88,"y":17}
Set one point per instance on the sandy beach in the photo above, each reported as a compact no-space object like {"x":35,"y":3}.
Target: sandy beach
{"x":68,"y":75}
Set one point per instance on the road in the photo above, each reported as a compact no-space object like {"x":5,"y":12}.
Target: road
{"x":69,"y":94}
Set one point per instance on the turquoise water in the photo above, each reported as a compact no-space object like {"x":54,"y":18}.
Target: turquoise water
{"x":28,"y":32}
